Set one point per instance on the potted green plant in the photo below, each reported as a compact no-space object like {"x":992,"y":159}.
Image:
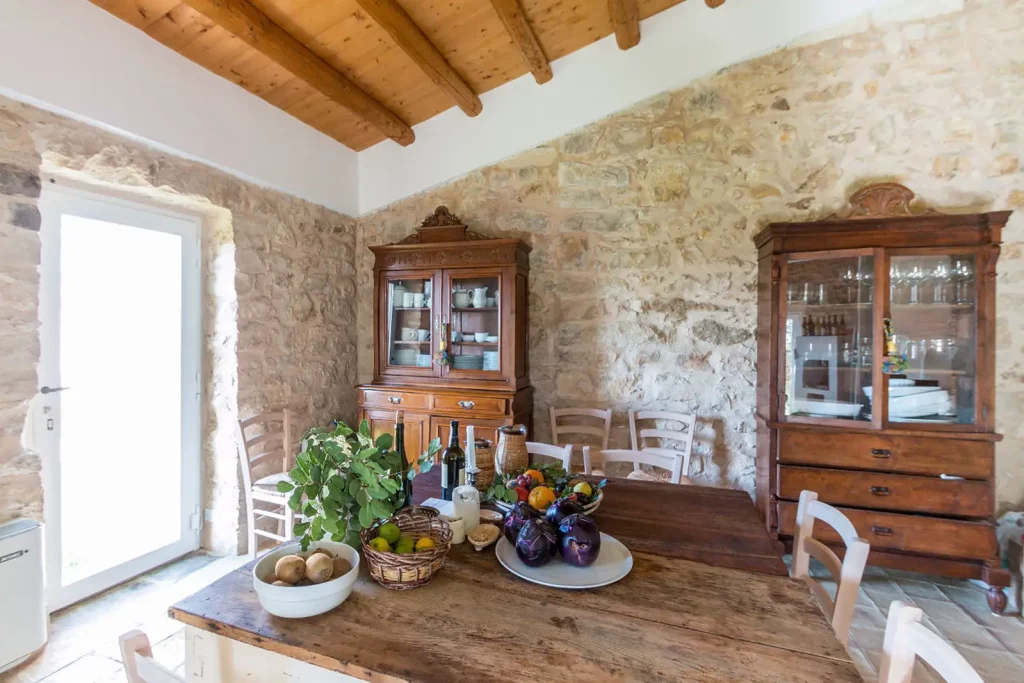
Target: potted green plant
{"x":343,"y":480}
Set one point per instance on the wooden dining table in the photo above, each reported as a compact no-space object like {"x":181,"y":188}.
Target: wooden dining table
{"x":708,"y":599}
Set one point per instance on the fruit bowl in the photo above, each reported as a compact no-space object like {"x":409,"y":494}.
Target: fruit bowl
{"x":589,"y":509}
{"x":297,"y":602}
{"x":407,"y":571}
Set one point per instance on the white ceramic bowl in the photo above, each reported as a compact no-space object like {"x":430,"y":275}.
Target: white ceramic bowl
{"x":480,"y":336}
{"x":297,"y":602}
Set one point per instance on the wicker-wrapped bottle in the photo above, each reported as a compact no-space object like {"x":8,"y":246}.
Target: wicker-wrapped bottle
{"x":511,"y":455}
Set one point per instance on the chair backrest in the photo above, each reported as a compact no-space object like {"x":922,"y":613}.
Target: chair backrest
{"x":272,"y":442}
{"x":139,"y":665}
{"x":906,"y":638}
{"x":561,"y":453}
{"x":665,"y":439}
{"x":673,"y":463}
{"x":588,"y":425}
{"x":847,"y":573}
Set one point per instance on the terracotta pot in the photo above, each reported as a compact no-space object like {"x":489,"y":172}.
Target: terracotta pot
{"x":511,"y":455}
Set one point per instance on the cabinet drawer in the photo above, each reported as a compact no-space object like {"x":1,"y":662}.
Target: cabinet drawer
{"x":909,"y":533}
{"x":883,"y":491}
{"x":470,"y":405}
{"x":909,"y":455}
{"x":395,"y":399}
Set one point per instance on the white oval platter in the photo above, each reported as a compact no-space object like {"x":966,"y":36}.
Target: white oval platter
{"x":613,"y":563}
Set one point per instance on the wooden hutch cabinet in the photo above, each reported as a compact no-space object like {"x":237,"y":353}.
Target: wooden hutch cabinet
{"x":448,"y":282}
{"x":908,"y":455}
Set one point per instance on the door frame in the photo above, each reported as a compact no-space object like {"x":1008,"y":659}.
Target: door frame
{"x":58,"y":196}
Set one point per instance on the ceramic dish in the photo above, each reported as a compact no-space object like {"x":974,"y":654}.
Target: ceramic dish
{"x":613,"y":563}
{"x":901,"y":390}
{"x":297,"y":602}
{"x":829,"y":408}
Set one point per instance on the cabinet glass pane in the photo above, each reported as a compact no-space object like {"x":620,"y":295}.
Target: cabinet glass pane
{"x":409,"y":322}
{"x":829,"y":335}
{"x":934,"y":324}
{"x":475,"y":319}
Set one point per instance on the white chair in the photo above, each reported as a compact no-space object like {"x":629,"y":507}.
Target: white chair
{"x":906,"y":639}
{"x":847,"y":573}
{"x":671,"y":441}
{"x":592,"y":424}
{"x":139,"y":665}
{"x":666,"y":462}
{"x":272,"y":443}
{"x":563,"y":454}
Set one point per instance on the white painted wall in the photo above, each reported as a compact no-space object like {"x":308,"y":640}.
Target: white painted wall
{"x":72,"y":57}
{"x":677,"y":46}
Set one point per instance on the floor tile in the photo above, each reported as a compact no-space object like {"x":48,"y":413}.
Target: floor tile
{"x":994,"y":667}
{"x":86,"y":669}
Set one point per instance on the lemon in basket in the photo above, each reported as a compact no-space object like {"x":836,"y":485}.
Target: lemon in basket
{"x":389,"y":532}
{"x":380,"y":544}
{"x":425,"y":543}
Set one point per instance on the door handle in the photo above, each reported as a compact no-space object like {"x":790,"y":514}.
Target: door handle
{"x":880,"y":490}
{"x":881,"y":453}
{"x":467,"y":405}
{"x":881,"y":530}
{"x":394,"y":400}
{"x":52,"y":390}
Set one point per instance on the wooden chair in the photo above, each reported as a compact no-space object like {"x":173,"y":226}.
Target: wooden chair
{"x":671,"y":463}
{"x":139,"y":665}
{"x":561,"y":453}
{"x":272,"y":443}
{"x":682,"y":436}
{"x":582,"y":421}
{"x":906,"y":638}
{"x":847,"y":573}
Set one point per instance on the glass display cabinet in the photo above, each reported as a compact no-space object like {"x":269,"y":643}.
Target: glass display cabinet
{"x":450,"y":333}
{"x":876,"y":380}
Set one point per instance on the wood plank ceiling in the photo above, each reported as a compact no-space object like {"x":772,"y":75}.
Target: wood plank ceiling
{"x":362,"y":71}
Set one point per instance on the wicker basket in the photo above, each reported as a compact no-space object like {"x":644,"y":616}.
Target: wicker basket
{"x":485,"y":464}
{"x":404,"y":572}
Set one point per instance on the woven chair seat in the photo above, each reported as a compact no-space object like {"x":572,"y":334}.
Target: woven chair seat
{"x":269,"y":484}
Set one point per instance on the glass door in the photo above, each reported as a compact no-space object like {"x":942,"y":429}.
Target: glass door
{"x":829,"y":332}
{"x":474,"y":314}
{"x":120,"y":399}
{"x":406,"y":323}
{"x":933,"y":305}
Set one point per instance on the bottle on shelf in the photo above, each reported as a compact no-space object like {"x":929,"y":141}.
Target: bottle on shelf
{"x":404,"y":462}
{"x":843,"y":329}
{"x":811,"y":331}
{"x":453,"y":465}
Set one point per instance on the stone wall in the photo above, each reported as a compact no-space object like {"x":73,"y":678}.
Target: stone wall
{"x":643,"y":270}
{"x":279,"y":280}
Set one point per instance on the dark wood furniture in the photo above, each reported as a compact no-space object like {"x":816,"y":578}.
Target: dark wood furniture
{"x":446,"y":281}
{"x":671,"y":619}
{"x":908,"y":455}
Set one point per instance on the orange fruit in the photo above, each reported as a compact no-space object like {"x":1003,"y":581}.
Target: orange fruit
{"x":535,"y":475}
{"x":541,"y":498}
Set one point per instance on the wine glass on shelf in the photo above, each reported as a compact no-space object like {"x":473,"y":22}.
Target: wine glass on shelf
{"x":897,"y":285}
{"x":915,"y":279}
{"x":943,"y":280}
{"x":965,"y":280}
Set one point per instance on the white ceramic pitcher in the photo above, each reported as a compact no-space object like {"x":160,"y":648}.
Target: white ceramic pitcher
{"x":480,"y":297}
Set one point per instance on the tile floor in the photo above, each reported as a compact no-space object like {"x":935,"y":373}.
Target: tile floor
{"x":83,"y":638}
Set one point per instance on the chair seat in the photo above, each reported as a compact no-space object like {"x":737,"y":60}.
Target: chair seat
{"x":640,"y":475}
{"x":269,"y":484}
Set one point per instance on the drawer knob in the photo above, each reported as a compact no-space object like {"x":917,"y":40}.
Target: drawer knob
{"x":880,"y":490}
{"x":881,"y":530}
{"x":467,"y":405}
{"x":394,"y":400}
{"x":881,"y":453}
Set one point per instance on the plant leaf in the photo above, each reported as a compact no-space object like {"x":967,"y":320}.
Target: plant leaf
{"x":285,"y":486}
{"x":295,"y":499}
{"x":384,"y":442}
{"x":300,"y":528}
{"x":365,"y":517}
{"x":380,"y":509}
{"x":364,"y":428}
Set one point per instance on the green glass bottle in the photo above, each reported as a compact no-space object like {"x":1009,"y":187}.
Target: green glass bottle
{"x":403,"y":465}
{"x":453,"y":465}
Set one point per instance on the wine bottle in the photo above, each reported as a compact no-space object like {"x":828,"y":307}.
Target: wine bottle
{"x":403,"y":465}
{"x":453,"y":465}
{"x":811,"y":331}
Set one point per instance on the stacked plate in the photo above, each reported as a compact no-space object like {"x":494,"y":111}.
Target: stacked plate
{"x":468,"y":362}
{"x":907,"y":401}
{"x":491,"y":360}
{"x":404,"y":356}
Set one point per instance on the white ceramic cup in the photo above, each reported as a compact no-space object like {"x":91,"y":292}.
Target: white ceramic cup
{"x":409,"y":333}
{"x":408,"y":300}
{"x":456,"y":335}
{"x":490,"y":302}
{"x":458,"y":527}
{"x":423,"y":335}
{"x":480,"y":336}
{"x":417,"y":300}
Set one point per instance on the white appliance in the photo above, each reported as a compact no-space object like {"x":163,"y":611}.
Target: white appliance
{"x":22,"y":601}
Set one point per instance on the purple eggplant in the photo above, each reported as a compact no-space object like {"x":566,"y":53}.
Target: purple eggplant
{"x":537,"y":542}
{"x":516,"y":518}
{"x":580,"y":540}
{"x":561,"y":509}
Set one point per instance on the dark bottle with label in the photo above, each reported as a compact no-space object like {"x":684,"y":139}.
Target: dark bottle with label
{"x":453,"y":465}
{"x":403,"y":465}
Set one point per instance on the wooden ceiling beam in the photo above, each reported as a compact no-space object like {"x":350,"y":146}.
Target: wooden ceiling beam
{"x":514,"y":18}
{"x":256,"y":29}
{"x":626,"y":21}
{"x":390,"y":16}
{"x":714,"y":3}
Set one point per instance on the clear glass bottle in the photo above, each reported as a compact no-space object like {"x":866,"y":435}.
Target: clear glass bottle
{"x":466,"y":502}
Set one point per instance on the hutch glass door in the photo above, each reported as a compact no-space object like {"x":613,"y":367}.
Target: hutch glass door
{"x":406,"y":321}
{"x":933,"y":306}
{"x":829,"y":333}
{"x":475,"y":303}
